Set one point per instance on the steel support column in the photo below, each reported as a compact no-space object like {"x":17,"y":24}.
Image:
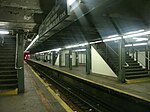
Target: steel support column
{"x":46,"y":57}
{"x":136,"y":55}
{"x":133,"y":52}
{"x":88,"y":59}
{"x":146,"y":60}
{"x":122,"y":58}
{"x":20,"y":61}
{"x":39,"y":57}
{"x":50,"y":58}
{"x":53,"y":57}
{"x":77,"y":59}
{"x":70,"y":59}
{"x":149,"y":55}
{"x":60,"y":58}
{"x":43,"y":57}
{"x":121,"y":61}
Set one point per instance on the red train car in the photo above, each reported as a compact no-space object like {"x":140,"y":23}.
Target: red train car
{"x":26,"y":55}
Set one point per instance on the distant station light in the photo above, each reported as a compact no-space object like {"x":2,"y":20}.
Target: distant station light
{"x":4,"y":32}
{"x":34,"y":40}
{"x":70,"y":2}
{"x":77,"y":45}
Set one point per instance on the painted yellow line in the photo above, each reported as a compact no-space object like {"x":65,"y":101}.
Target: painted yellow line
{"x":138,"y":80}
{"x":64,"y":105}
{"x":105,"y":86}
{"x":9,"y":92}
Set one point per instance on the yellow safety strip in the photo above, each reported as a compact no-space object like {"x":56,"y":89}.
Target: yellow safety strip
{"x":9,"y":92}
{"x":109,"y":87}
{"x":138,"y":80}
{"x":64,"y":105}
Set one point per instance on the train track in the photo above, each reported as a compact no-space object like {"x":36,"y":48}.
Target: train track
{"x":75,"y":97}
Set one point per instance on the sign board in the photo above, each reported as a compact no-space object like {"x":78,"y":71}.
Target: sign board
{"x":56,"y":15}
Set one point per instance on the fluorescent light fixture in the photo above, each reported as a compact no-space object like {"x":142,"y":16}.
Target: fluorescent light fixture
{"x":133,"y":32}
{"x":84,"y":44}
{"x":3,"y":23}
{"x":44,"y":52}
{"x":70,"y":2}
{"x":137,"y":34}
{"x":141,"y":39}
{"x":29,"y":40}
{"x":78,"y":45}
{"x":96,"y":42}
{"x":78,"y":50}
{"x":111,"y":39}
{"x":58,"y":49}
{"x":111,"y":36}
{"x":47,"y":51}
{"x":137,"y":44}
{"x":32,"y":42}
{"x":4,"y":32}
{"x":128,"y":45}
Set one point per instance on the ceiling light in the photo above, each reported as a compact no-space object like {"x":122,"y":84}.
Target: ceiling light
{"x":4,"y":32}
{"x":70,"y":2}
{"x":58,"y":49}
{"x":47,"y":51}
{"x":137,"y":44}
{"x":111,"y":36}
{"x":112,"y":39}
{"x":27,"y":17}
{"x":44,"y":52}
{"x":3,"y":23}
{"x":128,"y":45}
{"x":95,"y":42}
{"x":29,"y":40}
{"x":32,"y":42}
{"x":137,"y":34}
{"x":78,"y":45}
{"x":133,"y":32}
{"x":141,"y":39}
{"x":78,"y":50}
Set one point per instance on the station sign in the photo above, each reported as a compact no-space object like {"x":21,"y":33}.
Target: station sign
{"x":58,"y":13}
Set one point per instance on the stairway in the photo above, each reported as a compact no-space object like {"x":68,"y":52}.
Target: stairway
{"x":108,"y":55}
{"x":134,"y":70}
{"x":8,"y":73}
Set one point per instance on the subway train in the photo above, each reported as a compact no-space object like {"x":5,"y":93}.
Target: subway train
{"x":26,"y":55}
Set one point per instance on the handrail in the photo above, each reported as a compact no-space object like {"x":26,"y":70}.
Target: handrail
{"x":112,"y":50}
{"x":142,"y":54}
{"x":116,"y":53}
{"x":141,"y":63}
{"x":16,"y":56}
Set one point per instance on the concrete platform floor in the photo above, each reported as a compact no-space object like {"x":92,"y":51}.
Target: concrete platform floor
{"x":139,"y":90}
{"x":35,"y":99}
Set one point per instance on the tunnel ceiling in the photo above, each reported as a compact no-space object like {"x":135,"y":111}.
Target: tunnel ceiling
{"x":128,"y":15}
{"x":26,"y":15}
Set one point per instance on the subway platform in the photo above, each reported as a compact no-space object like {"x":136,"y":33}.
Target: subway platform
{"x":37,"y":97}
{"x":138,"y":90}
